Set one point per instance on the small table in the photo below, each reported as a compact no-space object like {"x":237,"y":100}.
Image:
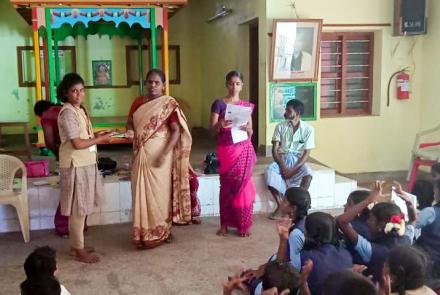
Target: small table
{"x":28,"y":148}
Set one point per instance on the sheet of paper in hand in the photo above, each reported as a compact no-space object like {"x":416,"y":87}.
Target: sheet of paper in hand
{"x":239,"y":115}
{"x":401,"y":203}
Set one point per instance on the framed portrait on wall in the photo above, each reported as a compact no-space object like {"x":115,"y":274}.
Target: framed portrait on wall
{"x":102,"y":72}
{"x":281,"y":93}
{"x":295,"y":50}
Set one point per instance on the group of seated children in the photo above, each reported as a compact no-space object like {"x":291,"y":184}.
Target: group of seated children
{"x":363,"y":251}
{"x":371,"y":248}
{"x":368,"y":250}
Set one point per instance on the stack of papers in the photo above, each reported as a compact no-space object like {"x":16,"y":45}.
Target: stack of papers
{"x":119,"y":135}
{"x":239,"y":115}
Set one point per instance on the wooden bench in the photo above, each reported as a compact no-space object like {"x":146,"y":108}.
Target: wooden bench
{"x":28,"y":148}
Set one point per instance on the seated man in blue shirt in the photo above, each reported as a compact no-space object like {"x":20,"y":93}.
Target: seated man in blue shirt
{"x":291,"y":144}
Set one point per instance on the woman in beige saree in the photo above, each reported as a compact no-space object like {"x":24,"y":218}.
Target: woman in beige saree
{"x":161,"y":149}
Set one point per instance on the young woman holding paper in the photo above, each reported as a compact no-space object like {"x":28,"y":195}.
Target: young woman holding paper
{"x":237,"y":190}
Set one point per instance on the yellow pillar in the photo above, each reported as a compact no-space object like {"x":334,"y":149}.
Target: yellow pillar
{"x":165,"y":51}
{"x":36,"y":39}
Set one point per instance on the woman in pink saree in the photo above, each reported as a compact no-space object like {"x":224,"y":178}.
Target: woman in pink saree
{"x":236,"y":162}
{"x":160,"y":179}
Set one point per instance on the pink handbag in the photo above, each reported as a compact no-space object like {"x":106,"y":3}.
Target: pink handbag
{"x":38,"y":168}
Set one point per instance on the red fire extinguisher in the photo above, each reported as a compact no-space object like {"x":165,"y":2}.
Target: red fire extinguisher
{"x":403,"y":87}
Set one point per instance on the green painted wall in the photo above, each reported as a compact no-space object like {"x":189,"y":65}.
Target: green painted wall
{"x":15,"y":102}
{"x":19,"y":101}
{"x":106,"y":101}
{"x":200,"y":44}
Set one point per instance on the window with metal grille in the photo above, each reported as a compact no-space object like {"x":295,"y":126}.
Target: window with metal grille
{"x":346,"y":73}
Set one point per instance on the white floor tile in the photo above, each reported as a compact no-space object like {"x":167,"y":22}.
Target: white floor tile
{"x":258,"y":207}
{"x":216,"y":191}
{"x":326,"y":185}
{"x":110,"y":202}
{"x":7,"y":212}
{"x":125,"y":195}
{"x":9,"y":225}
{"x":126,"y":215}
{"x":46,"y":222}
{"x":110,"y":217}
{"x":207,"y":210}
{"x":323,"y":203}
{"x":94,"y":218}
{"x":206,"y":191}
{"x":33,"y":202}
{"x":34,"y":205}
{"x":49,"y":200}
{"x":263,"y":193}
{"x":35,"y":223}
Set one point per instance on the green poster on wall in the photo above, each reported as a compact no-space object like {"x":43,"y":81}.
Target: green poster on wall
{"x":281,"y":93}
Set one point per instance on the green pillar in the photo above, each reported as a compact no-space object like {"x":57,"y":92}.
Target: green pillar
{"x":140,"y":66}
{"x":50,"y":58}
{"x":57,"y":61}
{"x":153,"y":38}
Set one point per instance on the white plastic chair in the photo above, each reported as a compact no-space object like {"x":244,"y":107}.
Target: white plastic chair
{"x":9,"y":166}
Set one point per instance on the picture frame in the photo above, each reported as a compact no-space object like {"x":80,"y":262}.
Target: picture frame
{"x":102,"y":72}
{"x":281,"y":93}
{"x":295,"y":50}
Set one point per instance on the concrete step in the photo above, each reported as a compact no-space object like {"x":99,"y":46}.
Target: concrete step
{"x":328,"y":192}
{"x":343,"y":187}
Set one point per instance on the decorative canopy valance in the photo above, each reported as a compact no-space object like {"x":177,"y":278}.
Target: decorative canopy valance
{"x":108,"y":29}
{"x":72,"y":16}
{"x":85,"y":16}
{"x":23,"y":7}
{"x":77,"y":3}
{"x":54,"y":20}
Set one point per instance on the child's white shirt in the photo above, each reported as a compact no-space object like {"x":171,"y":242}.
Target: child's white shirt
{"x":64,"y":290}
